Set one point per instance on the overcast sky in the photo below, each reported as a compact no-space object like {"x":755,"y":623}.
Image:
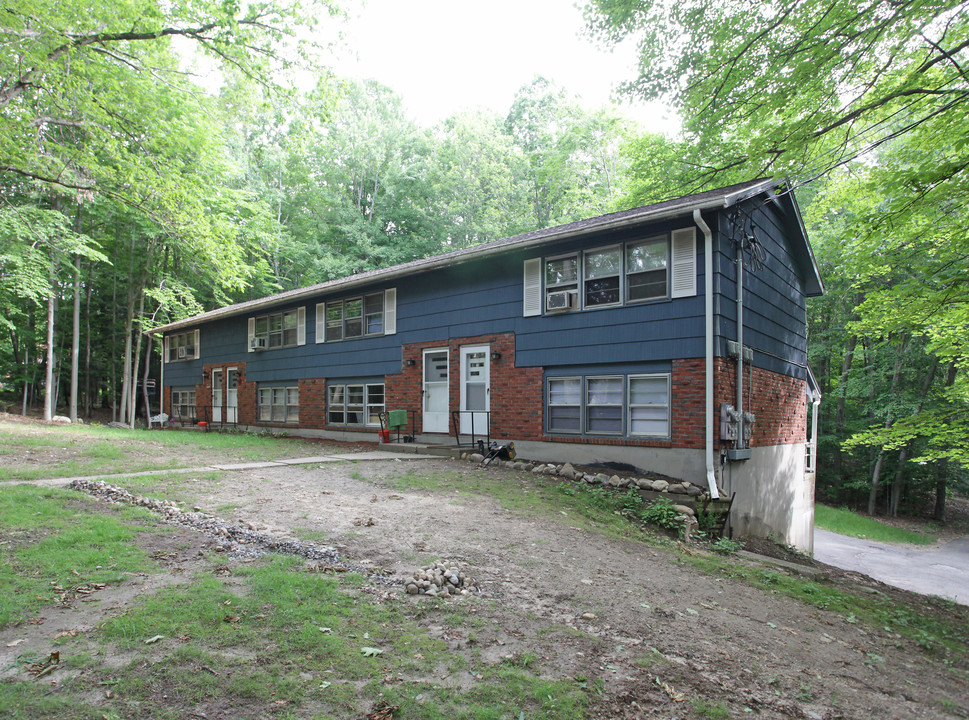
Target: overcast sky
{"x":442,"y":56}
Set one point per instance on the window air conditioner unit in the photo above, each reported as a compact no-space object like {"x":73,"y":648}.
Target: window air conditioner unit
{"x":560,"y":300}
{"x":258,"y":343}
{"x":181,"y":353}
{"x":189,"y":351}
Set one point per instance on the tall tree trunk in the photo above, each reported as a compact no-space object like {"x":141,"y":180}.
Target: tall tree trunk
{"x":49,"y":377}
{"x":87,"y":349}
{"x":144,"y":381}
{"x":135,"y":360}
{"x":839,"y":416}
{"x":940,"y":484}
{"x":76,"y":338}
{"x":899,"y":483}
{"x":889,"y":419}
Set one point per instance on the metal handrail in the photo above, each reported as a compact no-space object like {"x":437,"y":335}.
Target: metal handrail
{"x":475,"y":441}
{"x":194,"y":414}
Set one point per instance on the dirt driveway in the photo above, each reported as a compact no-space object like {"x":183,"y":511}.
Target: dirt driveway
{"x":650,"y":626}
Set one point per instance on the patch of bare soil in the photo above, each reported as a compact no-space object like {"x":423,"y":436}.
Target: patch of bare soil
{"x":652,"y":632}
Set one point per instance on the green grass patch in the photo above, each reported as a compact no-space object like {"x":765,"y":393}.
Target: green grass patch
{"x":939,"y":626}
{"x":847,"y":522}
{"x":286,"y":635}
{"x":59,"y":539}
{"x":80,"y":450}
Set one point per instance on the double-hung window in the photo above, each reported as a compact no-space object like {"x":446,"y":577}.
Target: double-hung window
{"x":183,"y":405}
{"x":621,"y":405}
{"x":182,"y":346}
{"x":561,"y":282}
{"x":638,"y":271}
{"x":565,"y":404}
{"x":279,"y":404}
{"x":602,"y":273}
{"x":646,"y":269}
{"x":353,"y":317}
{"x":277,"y":330}
{"x":649,"y":405}
{"x":355,"y":404}
{"x":603,"y":405}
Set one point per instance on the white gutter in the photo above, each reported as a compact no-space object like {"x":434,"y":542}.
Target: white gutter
{"x":708,"y":311}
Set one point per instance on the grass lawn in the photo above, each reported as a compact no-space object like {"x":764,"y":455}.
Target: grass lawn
{"x":846,"y":522}
{"x":36,"y":452}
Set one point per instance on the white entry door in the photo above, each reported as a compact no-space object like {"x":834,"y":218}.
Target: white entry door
{"x":475,"y":389}
{"x":436,"y":391}
{"x":216,"y":396}
{"x":232,"y":396}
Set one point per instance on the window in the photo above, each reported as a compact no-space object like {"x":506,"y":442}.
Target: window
{"x":603,"y":405}
{"x":649,"y":405}
{"x":183,"y":346}
{"x":561,"y":282}
{"x":631,"y":406}
{"x":279,"y":404}
{"x":355,"y":404}
{"x":354,"y":318}
{"x":277,"y":330}
{"x":565,"y":405}
{"x":183,"y":405}
{"x":655,"y":268}
{"x":603,"y":269}
{"x":646,"y":263}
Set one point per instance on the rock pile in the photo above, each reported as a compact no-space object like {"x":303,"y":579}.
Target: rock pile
{"x":236,"y":540}
{"x":568,"y":471}
{"x":440,"y":580}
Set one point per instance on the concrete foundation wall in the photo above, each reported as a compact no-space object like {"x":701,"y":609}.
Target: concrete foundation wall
{"x":774,"y":495}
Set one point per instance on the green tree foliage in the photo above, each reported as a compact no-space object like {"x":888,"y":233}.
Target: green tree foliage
{"x":872,"y":98}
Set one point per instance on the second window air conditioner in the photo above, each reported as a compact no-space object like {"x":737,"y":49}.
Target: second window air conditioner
{"x":257,"y":343}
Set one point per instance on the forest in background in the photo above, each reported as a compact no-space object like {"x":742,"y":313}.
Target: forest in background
{"x":131,"y":197}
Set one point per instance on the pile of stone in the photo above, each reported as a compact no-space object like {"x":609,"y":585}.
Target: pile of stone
{"x":440,"y":580}
{"x":568,"y":471}
{"x":242,"y":540}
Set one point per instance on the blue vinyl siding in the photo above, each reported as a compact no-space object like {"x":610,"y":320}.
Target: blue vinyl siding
{"x":775,"y":311}
{"x":484,"y":296}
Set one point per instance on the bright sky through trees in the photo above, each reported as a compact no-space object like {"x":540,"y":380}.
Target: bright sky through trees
{"x":443,"y":56}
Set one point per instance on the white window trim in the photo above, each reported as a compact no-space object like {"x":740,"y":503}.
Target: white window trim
{"x":621,"y":274}
{"x":389,"y":320}
{"x":629,"y":405}
{"x":625,"y":405}
{"x":271,"y":388}
{"x":625,"y":270}
{"x":621,"y":405}
{"x":365,"y":407}
{"x":300,"y":328}
{"x":548,"y":405}
{"x":681,"y":275}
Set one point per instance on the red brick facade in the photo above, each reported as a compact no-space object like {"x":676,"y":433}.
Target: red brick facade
{"x":517,"y":398}
{"x":516,"y":393}
{"x":778,"y":402}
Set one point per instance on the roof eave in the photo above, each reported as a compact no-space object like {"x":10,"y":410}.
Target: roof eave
{"x":458,"y":257}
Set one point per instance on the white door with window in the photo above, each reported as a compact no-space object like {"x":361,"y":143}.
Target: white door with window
{"x":217,"y":396}
{"x":436,"y":391}
{"x":475,"y":389}
{"x":232,"y":396}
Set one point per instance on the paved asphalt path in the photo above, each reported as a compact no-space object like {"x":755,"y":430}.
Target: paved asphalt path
{"x":938,"y":570}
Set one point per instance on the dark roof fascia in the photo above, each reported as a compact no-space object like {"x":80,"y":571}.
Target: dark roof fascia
{"x":803,"y":253}
{"x":709,"y":200}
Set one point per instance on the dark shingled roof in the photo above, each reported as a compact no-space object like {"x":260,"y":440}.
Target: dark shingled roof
{"x":721,"y":197}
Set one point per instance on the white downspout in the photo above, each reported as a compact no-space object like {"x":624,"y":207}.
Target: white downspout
{"x":708,"y":311}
